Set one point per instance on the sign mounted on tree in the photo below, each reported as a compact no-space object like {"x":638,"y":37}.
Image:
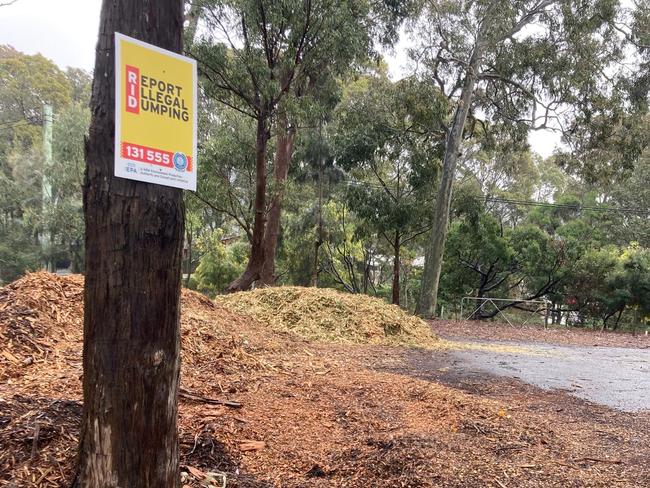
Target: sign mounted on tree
{"x":155,"y":114}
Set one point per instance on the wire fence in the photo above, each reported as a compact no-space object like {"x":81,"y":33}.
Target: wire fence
{"x":513,"y":311}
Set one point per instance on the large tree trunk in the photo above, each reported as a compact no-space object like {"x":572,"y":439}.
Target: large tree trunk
{"x":319,"y":236}
{"x":396,"y":265}
{"x":435,"y":250}
{"x":257,"y":255}
{"x":189,"y":236}
{"x":283,"y":154}
{"x":134,"y":236}
{"x":192,"y":16}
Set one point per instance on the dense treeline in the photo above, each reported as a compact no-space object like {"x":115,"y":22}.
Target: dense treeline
{"x":318,"y":169}
{"x":40,"y":219}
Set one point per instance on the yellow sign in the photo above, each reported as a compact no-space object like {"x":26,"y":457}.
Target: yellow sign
{"x":155,"y":114}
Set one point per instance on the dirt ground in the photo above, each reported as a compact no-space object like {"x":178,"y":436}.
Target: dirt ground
{"x":475,"y":330}
{"x":311,"y":414}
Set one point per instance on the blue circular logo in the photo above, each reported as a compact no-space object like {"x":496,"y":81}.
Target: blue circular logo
{"x":180,"y":161}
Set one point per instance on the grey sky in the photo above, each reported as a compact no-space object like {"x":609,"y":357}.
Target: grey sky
{"x":66,"y":32}
{"x":63,"y":30}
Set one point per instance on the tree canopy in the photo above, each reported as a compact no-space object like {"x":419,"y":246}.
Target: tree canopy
{"x":318,"y":168}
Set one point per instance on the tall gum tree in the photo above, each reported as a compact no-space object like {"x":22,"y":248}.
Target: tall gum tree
{"x":253,"y":56}
{"x":308,"y":106}
{"x":134,"y":235}
{"x":283,"y":153}
{"x":385,"y":136}
{"x":515,"y":66}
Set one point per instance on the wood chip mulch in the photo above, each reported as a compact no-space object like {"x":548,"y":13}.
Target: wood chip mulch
{"x":301,"y":414}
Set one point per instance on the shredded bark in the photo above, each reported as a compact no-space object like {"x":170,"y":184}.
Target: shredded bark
{"x":312,"y":414}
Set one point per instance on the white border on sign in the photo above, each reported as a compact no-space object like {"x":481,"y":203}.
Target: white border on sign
{"x":191,"y":184}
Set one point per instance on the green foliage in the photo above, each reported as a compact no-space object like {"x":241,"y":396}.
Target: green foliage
{"x":281,"y":48}
{"x":557,"y":253}
{"x":606,"y":281}
{"x":388,"y":137}
{"x":633,"y":193}
{"x":26,"y":84}
{"x":228,"y":168}
{"x":588,"y":290}
{"x":347,"y":253}
{"x":19,"y":252}
{"x":298,"y":236}
{"x":368,"y":150}
{"x":63,"y":216}
{"x":607,"y":148}
{"x":633,"y":277}
{"x":524,"y":70}
{"x":219,"y":263}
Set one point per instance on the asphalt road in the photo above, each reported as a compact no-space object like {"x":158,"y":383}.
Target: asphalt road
{"x":612,"y":376}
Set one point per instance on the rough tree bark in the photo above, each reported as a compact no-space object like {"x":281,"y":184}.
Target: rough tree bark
{"x":257,"y":254}
{"x":396,"y":264}
{"x":283,"y":155}
{"x":189,"y":237}
{"x":319,"y":236}
{"x":434,"y":253}
{"x":134,"y":236}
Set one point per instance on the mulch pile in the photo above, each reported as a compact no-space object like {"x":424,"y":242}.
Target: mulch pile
{"x":32,"y":322}
{"x":331,"y":315}
{"x":310,"y":414}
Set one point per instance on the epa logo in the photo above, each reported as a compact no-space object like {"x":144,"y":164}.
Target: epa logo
{"x":180,"y":161}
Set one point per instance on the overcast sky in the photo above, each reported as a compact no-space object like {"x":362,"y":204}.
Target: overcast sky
{"x":66,"y":32}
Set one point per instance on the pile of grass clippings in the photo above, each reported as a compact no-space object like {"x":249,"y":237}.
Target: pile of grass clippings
{"x":328,"y":315}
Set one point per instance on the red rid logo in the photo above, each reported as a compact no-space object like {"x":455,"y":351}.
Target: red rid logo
{"x":132,"y":89}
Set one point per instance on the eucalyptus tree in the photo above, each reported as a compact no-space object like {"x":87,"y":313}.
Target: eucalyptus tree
{"x":610,"y":158}
{"x":317,"y":178}
{"x":27,"y":82}
{"x":636,"y":29}
{"x":511,"y":65}
{"x":484,"y":258}
{"x":228,"y":162}
{"x":387,"y":135}
{"x":632,"y":196}
{"x":64,"y":214}
{"x":307,"y":108}
{"x":256,"y":53}
{"x":134,"y":240}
